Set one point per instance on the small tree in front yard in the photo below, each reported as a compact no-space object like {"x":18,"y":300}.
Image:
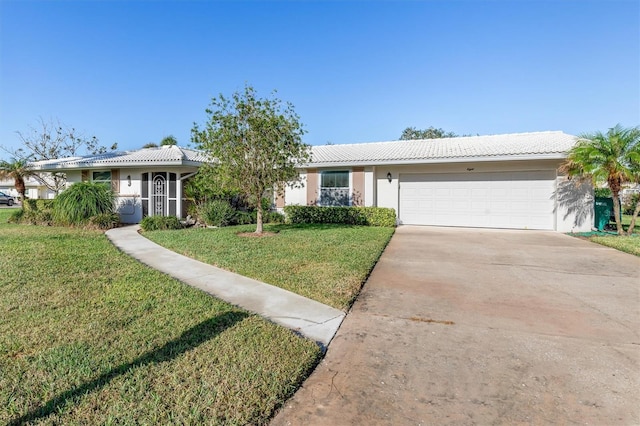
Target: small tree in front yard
{"x":256,"y":144}
{"x":612,"y":157}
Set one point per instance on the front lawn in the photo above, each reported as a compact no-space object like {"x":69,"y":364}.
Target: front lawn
{"x":90,"y":336}
{"x":626,"y":244}
{"x":327,"y":263}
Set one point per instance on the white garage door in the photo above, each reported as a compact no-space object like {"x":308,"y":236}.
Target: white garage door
{"x":518,"y":200}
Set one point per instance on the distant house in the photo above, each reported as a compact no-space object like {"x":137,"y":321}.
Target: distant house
{"x":34,"y":189}
{"x":499,"y":181}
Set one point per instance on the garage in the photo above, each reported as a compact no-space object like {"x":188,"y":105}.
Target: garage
{"x":514,"y":200}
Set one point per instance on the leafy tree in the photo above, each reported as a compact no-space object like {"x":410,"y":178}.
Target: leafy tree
{"x":430,"y":133}
{"x":256,"y":144}
{"x":169,"y":140}
{"x":207,"y":185}
{"x":51,"y":140}
{"x":612,"y":157}
{"x":19,"y":171}
{"x":150,"y":145}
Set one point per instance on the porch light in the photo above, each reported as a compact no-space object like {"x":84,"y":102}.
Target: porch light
{"x":129,"y":180}
{"x":389,"y":178}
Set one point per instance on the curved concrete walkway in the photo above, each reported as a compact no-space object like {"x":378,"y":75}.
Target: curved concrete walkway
{"x":310,"y":318}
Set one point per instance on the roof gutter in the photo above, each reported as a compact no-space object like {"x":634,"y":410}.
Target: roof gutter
{"x":527,"y":157}
{"x":78,"y":166}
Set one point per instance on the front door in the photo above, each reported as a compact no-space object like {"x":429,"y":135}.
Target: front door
{"x":159,"y":194}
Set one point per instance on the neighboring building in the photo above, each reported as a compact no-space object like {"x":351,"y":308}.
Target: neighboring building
{"x":499,"y":181}
{"x":34,"y":189}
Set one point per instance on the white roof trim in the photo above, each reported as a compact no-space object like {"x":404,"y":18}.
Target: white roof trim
{"x":437,"y":161}
{"x":147,"y":157}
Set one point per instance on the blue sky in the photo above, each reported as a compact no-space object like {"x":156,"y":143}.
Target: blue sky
{"x":134,"y":72}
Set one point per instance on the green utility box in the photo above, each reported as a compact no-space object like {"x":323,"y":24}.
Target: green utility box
{"x":603,"y":212}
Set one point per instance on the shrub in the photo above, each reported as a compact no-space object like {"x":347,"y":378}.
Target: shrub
{"x":160,"y":223}
{"x":371,"y":216}
{"x":244,"y":218}
{"x":602,"y":192}
{"x":631,"y":201}
{"x":34,"y":212}
{"x":32,"y":217}
{"x":273,"y":217}
{"x":105,"y":220}
{"x":81,"y":201}
{"x":44,"y":217}
{"x":217,"y":213}
{"x":379,"y":216}
{"x":16,"y":216}
{"x":37,"y":204}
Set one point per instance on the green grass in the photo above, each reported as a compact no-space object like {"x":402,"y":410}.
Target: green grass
{"x":630,"y":244}
{"x":626,"y":221}
{"x":327,"y":263}
{"x":90,"y":336}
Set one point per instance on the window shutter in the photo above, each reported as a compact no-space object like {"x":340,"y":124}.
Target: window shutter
{"x":85,"y":175}
{"x":312,"y":187}
{"x":115,"y":180}
{"x":357,"y":197}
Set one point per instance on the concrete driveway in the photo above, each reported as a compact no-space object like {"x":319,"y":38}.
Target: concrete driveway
{"x":467,"y":326}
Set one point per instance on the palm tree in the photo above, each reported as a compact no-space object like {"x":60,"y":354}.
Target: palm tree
{"x":612,"y":157}
{"x":18,"y":170}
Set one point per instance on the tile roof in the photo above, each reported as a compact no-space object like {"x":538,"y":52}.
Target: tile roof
{"x":472,"y":148}
{"x":512,"y":146}
{"x":162,"y":156}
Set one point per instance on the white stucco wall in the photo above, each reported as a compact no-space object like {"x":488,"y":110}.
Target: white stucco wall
{"x":574,"y":206}
{"x":128,"y":201}
{"x":369,"y":187}
{"x":297,"y":196}
{"x":387,"y":192}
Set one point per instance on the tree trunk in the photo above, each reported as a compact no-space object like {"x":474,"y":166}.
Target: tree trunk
{"x":633,"y":219}
{"x":259,"y":220}
{"x":616,"y":212}
{"x":20,"y":187}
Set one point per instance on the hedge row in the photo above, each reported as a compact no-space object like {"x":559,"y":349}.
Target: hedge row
{"x":160,"y":223}
{"x":370,"y":216}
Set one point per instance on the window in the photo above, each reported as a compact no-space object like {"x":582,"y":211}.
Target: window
{"x":334,"y":188}
{"x":102,"y":177}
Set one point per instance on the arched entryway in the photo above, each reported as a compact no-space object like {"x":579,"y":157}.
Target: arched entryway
{"x":159,"y":194}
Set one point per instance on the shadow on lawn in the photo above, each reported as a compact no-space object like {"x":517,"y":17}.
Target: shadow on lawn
{"x":190,"y":339}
